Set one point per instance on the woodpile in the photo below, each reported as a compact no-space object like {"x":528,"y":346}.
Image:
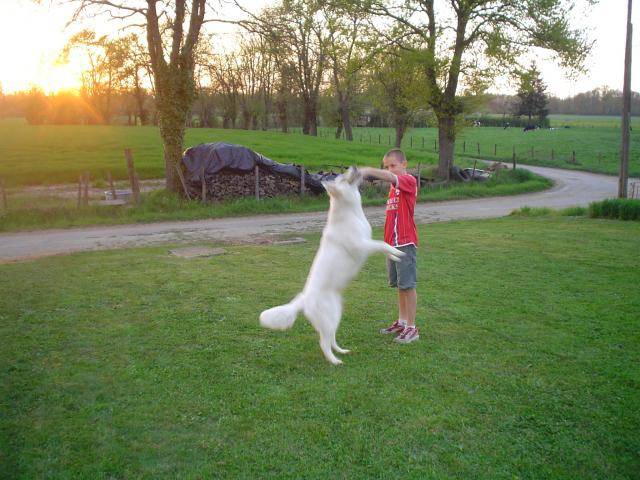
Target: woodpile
{"x":229,"y":184}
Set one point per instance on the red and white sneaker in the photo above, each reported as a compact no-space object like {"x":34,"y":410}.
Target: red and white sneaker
{"x":396,"y":327}
{"x":408,"y":335}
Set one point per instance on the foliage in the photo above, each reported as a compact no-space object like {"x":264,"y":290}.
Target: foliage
{"x":532,"y":97}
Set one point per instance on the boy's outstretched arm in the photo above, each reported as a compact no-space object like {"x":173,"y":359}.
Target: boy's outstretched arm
{"x":379,"y":174}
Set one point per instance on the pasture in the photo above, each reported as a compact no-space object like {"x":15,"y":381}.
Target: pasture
{"x":597,"y":148}
{"x":134,"y":363}
{"x":49,"y":154}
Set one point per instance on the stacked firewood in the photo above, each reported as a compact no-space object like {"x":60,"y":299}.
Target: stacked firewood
{"x":228,"y":184}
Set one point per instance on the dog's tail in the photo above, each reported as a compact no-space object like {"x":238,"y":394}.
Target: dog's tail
{"x":283,"y":316}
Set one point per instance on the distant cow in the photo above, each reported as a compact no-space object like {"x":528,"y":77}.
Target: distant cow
{"x":529,"y":127}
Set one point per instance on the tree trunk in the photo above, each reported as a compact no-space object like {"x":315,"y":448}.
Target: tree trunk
{"x":339,"y":131}
{"x":401,"y":127}
{"x":283,"y":115}
{"x":246,"y":120}
{"x":446,"y":141}
{"x":310,"y":126}
{"x":172,"y":140}
{"x":346,"y":120}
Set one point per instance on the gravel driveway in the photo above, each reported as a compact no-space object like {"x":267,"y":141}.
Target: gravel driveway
{"x":571,"y":188}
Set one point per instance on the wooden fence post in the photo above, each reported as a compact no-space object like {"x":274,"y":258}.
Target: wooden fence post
{"x":531,"y":153}
{"x":478,"y":148}
{"x":80,"y":190}
{"x":111,"y":186}
{"x":514,"y":158}
{"x":464,"y":146}
{"x":135,"y":189}
{"x":4,"y":195}
{"x":256,"y":174}
{"x":204,"y":186}
{"x":552,"y":154}
{"x":495,"y":149}
{"x":435,"y":145}
{"x":573,"y":157}
{"x":473,"y":175}
{"x":302,"y":185}
{"x":411,"y":140}
{"x":85,"y":195}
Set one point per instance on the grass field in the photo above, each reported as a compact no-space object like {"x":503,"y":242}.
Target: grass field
{"x":590,"y":121}
{"x":29,"y":212}
{"x":597,"y":149}
{"x":137,"y":364}
{"x":35,"y":155}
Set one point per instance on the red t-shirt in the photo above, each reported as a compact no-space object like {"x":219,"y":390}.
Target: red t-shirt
{"x":399,"y":226}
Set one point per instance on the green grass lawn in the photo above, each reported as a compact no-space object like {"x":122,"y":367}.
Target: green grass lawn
{"x":137,"y":364}
{"x":28,"y":212}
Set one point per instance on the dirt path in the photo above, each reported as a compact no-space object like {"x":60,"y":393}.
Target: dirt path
{"x":571,"y":188}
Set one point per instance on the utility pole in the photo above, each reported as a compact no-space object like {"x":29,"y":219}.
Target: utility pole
{"x":626,"y":111}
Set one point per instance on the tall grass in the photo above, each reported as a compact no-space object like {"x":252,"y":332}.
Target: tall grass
{"x":617,"y":208}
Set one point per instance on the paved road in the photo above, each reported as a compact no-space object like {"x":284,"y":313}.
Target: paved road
{"x":571,"y":188}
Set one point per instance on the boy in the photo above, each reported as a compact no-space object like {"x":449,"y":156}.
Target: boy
{"x":400,"y":232}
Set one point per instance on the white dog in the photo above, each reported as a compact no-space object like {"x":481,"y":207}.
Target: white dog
{"x":345,"y":245}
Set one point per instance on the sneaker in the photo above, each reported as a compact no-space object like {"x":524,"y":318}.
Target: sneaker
{"x":408,"y":335}
{"x":396,"y":327}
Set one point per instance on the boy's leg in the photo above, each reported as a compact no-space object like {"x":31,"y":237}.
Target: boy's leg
{"x":408,"y":300}
{"x":402,"y":306}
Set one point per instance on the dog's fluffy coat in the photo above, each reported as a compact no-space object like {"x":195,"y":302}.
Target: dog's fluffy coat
{"x":345,"y":245}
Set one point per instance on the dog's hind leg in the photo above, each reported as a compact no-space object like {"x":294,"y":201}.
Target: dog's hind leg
{"x":325,"y":318}
{"x":325,"y":346}
{"x":336,"y":347}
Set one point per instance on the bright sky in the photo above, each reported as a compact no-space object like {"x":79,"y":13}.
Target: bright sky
{"x":32,"y":36}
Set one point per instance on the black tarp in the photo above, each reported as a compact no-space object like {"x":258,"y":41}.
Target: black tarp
{"x":217,"y":156}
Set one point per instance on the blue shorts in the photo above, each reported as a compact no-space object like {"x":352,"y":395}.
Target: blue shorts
{"x":403,"y":274}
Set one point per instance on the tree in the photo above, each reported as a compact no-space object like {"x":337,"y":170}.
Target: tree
{"x":172,"y":32}
{"x":532,"y":97}
{"x":347,"y":57}
{"x":101,"y":80}
{"x":396,"y":89}
{"x":224,"y":78}
{"x":36,"y":106}
{"x":296,"y":33}
{"x":467,"y":40}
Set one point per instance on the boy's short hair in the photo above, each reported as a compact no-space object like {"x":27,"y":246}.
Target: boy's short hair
{"x":397,"y":153}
